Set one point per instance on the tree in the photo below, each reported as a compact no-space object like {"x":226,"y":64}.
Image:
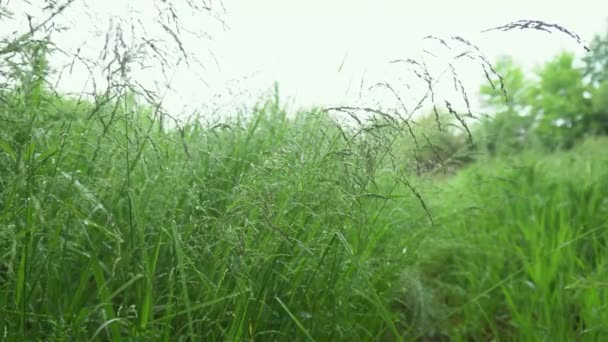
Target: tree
{"x":559,"y":104}
{"x":509,"y":128}
{"x":596,"y":74}
{"x":598,"y":120}
{"x":596,"y":60}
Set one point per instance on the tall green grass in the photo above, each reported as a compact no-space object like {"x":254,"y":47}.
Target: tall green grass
{"x":260,"y":228}
{"x":521,"y":252}
{"x":277,"y":227}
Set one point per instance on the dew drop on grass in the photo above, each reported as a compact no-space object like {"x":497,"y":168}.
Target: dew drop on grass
{"x":305,"y":315}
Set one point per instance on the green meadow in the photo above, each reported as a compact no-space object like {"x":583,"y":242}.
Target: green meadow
{"x":117,"y":223}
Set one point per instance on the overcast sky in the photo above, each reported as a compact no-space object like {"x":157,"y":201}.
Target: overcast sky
{"x":303,"y":43}
{"x":320,"y":51}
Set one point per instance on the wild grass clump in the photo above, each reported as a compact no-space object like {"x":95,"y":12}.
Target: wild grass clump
{"x":520,"y":250}
{"x":263,"y":227}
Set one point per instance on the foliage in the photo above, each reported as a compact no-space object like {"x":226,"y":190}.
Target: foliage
{"x":438,"y":151}
{"x":596,"y":61}
{"x":596,"y":72}
{"x":598,"y":120}
{"x":558,"y":102}
{"x":555,"y":110}
{"x":510,"y":127}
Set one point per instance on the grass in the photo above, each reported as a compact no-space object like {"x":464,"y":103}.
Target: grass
{"x":285,"y":228}
{"x":521,"y":249}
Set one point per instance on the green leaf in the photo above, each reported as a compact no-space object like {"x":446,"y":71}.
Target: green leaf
{"x":8,"y":149}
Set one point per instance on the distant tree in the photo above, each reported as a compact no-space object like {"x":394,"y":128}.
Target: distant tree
{"x":508,"y":128}
{"x":598,"y":120}
{"x":596,"y":60}
{"x":596,"y":74}
{"x":559,"y":104}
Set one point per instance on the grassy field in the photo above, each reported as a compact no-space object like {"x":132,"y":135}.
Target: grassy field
{"x":114,"y":227}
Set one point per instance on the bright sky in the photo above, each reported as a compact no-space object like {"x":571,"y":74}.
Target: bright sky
{"x":320,"y":51}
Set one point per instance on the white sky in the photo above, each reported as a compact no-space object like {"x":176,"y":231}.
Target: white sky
{"x":319,"y":51}
{"x":302,"y":43}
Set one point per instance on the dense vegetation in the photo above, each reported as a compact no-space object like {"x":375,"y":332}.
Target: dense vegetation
{"x":116,"y":224}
